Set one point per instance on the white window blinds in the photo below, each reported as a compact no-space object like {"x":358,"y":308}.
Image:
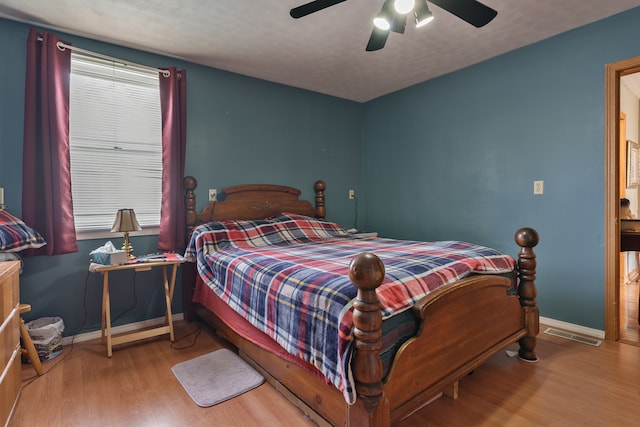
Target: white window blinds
{"x":115,"y":142}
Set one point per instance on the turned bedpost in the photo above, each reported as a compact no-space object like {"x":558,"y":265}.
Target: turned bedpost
{"x":319,"y":188}
{"x":366,"y":272}
{"x":527,"y":239}
{"x":189,"y":183}
{"x":189,"y":272}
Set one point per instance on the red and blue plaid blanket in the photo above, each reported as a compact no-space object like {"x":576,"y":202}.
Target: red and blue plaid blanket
{"x":288,"y":276}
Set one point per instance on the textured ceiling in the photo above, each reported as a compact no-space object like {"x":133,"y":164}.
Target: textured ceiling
{"x":323,"y":52}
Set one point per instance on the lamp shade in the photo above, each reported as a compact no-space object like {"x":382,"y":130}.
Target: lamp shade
{"x":423,"y":14}
{"x":126,"y":221}
{"x":404,"y":6}
{"x":384,"y":18}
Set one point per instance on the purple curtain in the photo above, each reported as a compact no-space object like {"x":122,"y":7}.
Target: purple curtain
{"x":173,"y":102}
{"x":47,"y":205}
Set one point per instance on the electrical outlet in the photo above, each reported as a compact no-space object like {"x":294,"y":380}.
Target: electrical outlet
{"x":538,"y":187}
{"x":213,"y":195}
{"x":352,"y":194}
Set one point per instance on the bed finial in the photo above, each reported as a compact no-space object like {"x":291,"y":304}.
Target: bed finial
{"x":527,"y":238}
{"x":319,"y":188}
{"x":366,"y":272}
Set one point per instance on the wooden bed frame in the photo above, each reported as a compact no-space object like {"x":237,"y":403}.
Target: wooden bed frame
{"x":462,"y":326}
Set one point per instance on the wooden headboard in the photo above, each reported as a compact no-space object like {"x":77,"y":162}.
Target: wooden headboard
{"x":251,"y":201}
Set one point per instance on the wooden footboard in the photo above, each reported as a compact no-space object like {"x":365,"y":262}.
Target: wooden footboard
{"x":462,"y":325}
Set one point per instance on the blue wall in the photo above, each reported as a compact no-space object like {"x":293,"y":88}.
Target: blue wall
{"x":239,"y":130}
{"x":456,"y":157}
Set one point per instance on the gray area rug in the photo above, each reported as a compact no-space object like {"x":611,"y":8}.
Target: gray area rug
{"x":215,"y":377}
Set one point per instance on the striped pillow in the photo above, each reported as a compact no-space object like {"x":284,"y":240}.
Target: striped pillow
{"x":15,"y":235}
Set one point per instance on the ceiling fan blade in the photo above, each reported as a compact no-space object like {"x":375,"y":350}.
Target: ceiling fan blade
{"x":472,"y":11}
{"x":378,"y":39}
{"x":312,"y":7}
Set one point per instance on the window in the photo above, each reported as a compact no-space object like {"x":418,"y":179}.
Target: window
{"x":115,"y":133}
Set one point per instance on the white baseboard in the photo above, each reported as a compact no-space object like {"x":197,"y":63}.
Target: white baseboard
{"x":129,"y":327}
{"x":580,"y":330}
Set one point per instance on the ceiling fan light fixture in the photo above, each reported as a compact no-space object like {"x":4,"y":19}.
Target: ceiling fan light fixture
{"x":404,"y":6}
{"x":423,"y":14}
{"x":381,"y":23}
{"x":384,"y":18}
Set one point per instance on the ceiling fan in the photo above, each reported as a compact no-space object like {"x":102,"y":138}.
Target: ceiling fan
{"x":394,"y":13}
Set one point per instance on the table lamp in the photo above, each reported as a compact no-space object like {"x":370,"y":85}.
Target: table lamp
{"x":125,"y":222}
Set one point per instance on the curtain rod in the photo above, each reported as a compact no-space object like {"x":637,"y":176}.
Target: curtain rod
{"x":63,"y":46}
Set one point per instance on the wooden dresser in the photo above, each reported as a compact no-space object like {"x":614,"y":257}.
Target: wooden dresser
{"x":9,"y":338}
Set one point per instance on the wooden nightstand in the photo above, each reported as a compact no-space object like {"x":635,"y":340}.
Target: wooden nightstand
{"x":169,"y":285}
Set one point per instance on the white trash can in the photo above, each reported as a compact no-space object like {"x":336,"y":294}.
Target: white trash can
{"x":46,"y":334}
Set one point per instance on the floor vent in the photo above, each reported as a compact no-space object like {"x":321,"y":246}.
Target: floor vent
{"x":573,"y":337}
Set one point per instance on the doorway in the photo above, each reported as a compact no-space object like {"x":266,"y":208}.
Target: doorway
{"x":614,"y":322}
{"x":628,"y":279}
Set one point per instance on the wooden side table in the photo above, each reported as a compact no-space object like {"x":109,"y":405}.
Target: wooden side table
{"x":169,"y":285}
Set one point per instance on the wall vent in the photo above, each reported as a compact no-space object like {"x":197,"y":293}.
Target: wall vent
{"x":573,"y":337}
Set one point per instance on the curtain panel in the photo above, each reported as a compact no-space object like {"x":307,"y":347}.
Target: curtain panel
{"x":173,"y":104}
{"x":47,"y":204}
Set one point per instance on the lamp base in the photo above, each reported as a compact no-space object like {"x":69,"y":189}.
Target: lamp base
{"x":126,"y":247}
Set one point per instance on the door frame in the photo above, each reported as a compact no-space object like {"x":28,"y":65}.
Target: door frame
{"x":613,"y":72}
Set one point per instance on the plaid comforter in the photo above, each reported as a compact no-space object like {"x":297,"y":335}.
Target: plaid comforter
{"x":288,"y":276}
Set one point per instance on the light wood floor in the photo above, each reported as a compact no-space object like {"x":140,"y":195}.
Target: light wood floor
{"x":573,"y":384}
{"x":137,"y":388}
